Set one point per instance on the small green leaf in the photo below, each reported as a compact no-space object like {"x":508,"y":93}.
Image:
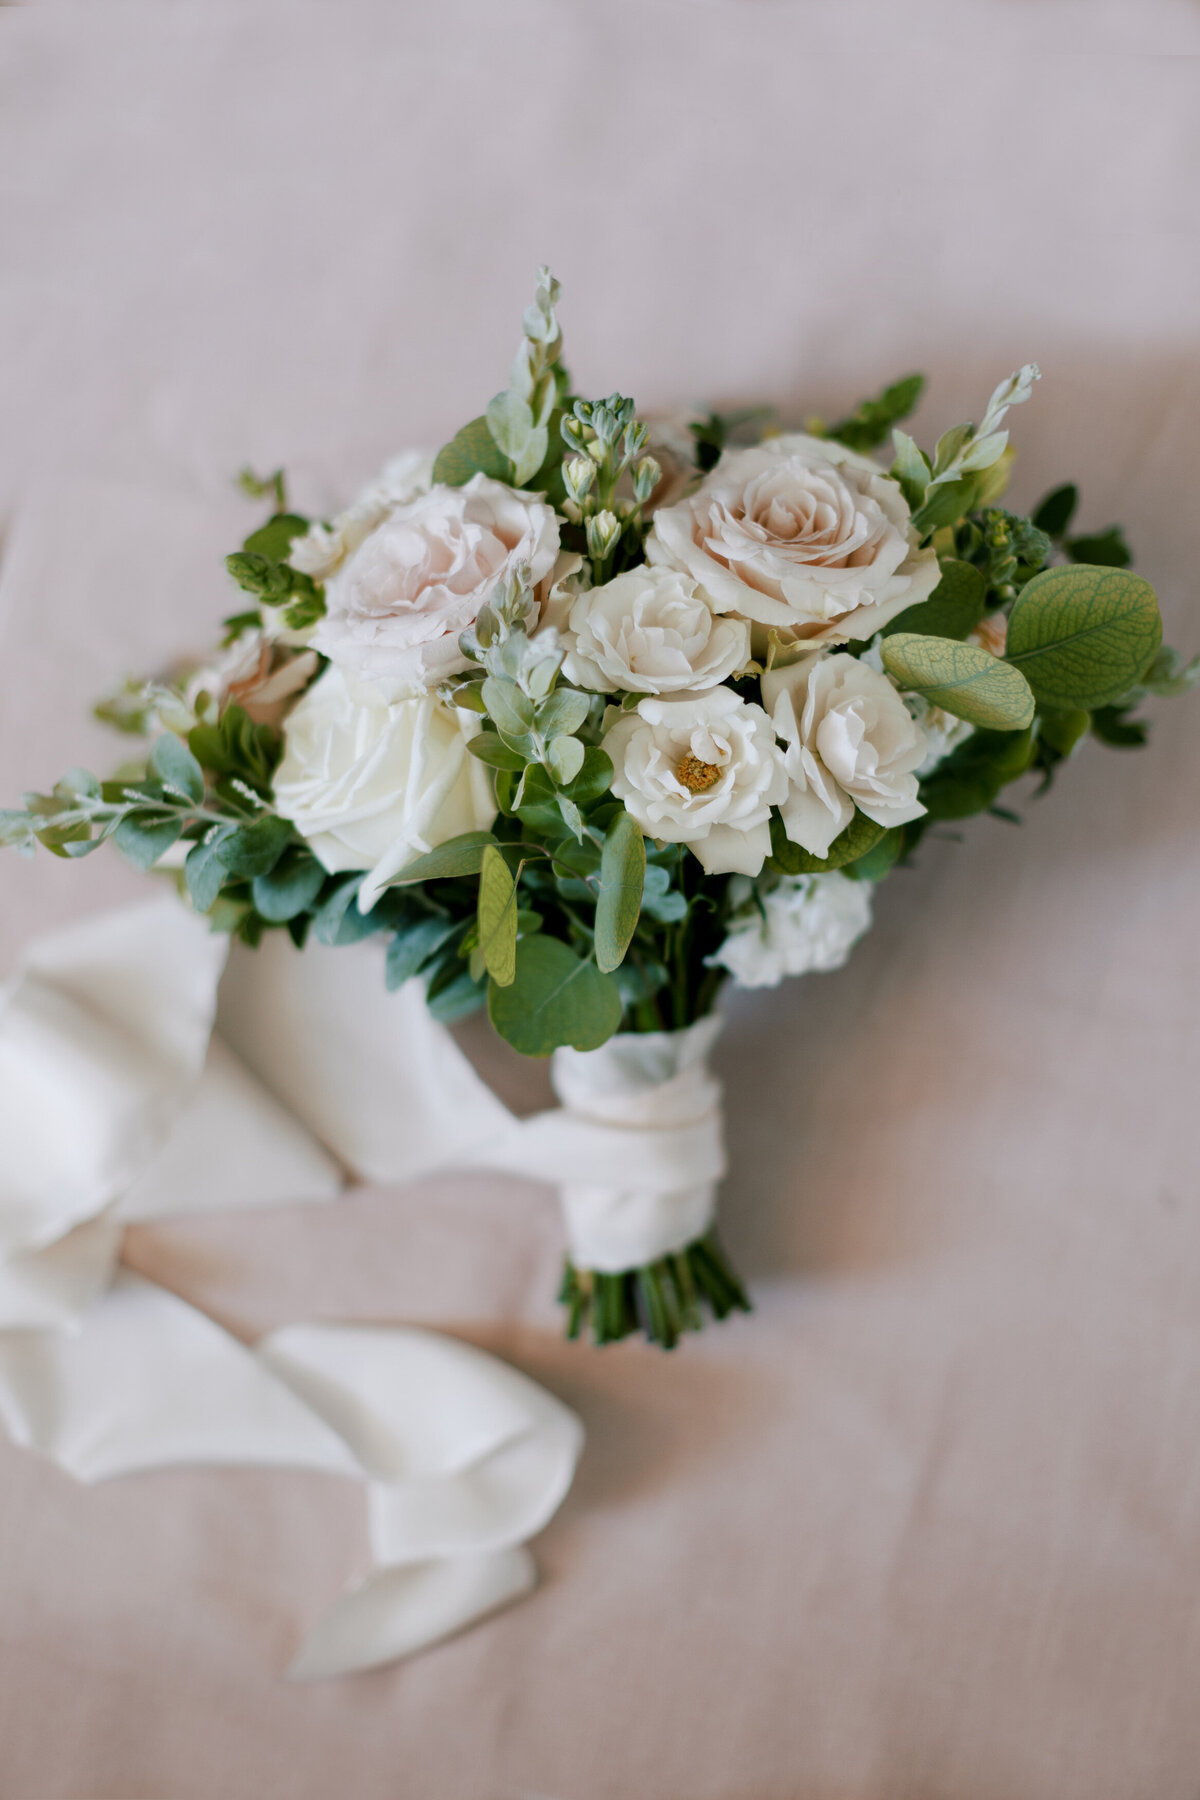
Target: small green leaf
{"x":472,"y":451}
{"x":869,"y":423}
{"x":143,"y":842}
{"x":511,"y":711}
{"x":491,"y":749}
{"x":1111,"y":725}
{"x":619,"y":902}
{"x":954,"y":608}
{"x":177,"y":768}
{"x":961,"y":679}
{"x":337,"y":920}
{"x":946,"y":504}
{"x":204,"y":873}
{"x":879,"y":859}
{"x":497,"y":916}
{"x":1063,"y":730}
{"x":1082,"y":636}
{"x":410,"y":950}
{"x":554,"y":999}
{"x":593,"y":779}
{"x":1055,"y":512}
{"x":564,"y":757}
{"x":564,"y":711}
{"x":452,"y":996}
{"x":274,"y":539}
{"x":860,"y":835}
{"x":462,"y":855}
{"x":255,"y":849}
{"x":1105,"y":549}
{"x":970,"y":778}
{"x":290,"y":888}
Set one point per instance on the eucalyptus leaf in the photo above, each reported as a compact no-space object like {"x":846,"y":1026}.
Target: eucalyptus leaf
{"x":969,"y":780}
{"x":490,"y":748}
{"x":472,"y":451}
{"x":177,"y":768}
{"x":142,"y":842}
{"x":564,"y":711}
{"x":960,"y":678}
{"x":462,"y":855}
{"x":497,"y":918}
{"x":290,"y":887}
{"x":860,"y":835}
{"x":410,"y":950}
{"x":204,"y":873}
{"x":511,"y":711}
{"x":1054,"y":513}
{"x":337,"y":920}
{"x":554,"y":999}
{"x":954,"y":608}
{"x":564,"y":756}
{"x":254,"y":849}
{"x":619,"y":902}
{"x":1082,"y":636}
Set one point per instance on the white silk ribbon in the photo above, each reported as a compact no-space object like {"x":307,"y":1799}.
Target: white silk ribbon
{"x":120,"y":1102}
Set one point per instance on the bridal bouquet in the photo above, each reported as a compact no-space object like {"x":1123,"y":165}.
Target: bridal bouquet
{"x":588,"y":714}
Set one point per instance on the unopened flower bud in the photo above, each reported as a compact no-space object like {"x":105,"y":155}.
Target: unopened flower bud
{"x":603,"y":533}
{"x":646,"y":476}
{"x":579,"y":472}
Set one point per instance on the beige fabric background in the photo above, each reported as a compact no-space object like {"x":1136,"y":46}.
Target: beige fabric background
{"x":926,"y":1527}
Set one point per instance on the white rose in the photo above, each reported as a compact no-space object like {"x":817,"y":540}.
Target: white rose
{"x":372,"y":784}
{"x":395,"y":607}
{"x":801,"y":534}
{"x":850,"y":741}
{"x":324,"y":547}
{"x":807,"y":923}
{"x":650,"y":631}
{"x":702,"y":770}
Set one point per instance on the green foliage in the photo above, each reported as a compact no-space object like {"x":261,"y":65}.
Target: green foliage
{"x":238,"y":748}
{"x":1103,"y":549}
{"x":1083,"y":635}
{"x":175,"y":766}
{"x":880,"y":859}
{"x":1113,"y":726}
{"x":289,"y":888}
{"x":410,"y":949}
{"x":471,"y":451}
{"x":274,"y":539}
{"x":860,"y":836}
{"x":255,"y":849}
{"x":497,"y":918}
{"x":969,"y":780}
{"x":954,"y":608}
{"x":869,"y":424}
{"x":619,"y":900}
{"x":203,"y":872}
{"x":1054,"y":512}
{"x":1007,"y":548}
{"x":714,"y":432}
{"x":143,"y":839}
{"x":461,"y":855}
{"x":961,"y":679}
{"x":555,"y":998}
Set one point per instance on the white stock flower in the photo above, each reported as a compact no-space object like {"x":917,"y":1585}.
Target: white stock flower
{"x":807,"y":923}
{"x":395,"y":607}
{"x":650,"y":631}
{"x":702,"y":770}
{"x":799,"y":534}
{"x":372,"y":784}
{"x":850,"y":741}
{"x":324,"y":547}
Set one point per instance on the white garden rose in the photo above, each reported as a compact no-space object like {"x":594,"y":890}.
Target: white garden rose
{"x":799,"y":534}
{"x":373,"y":784}
{"x":323,"y":548}
{"x":651,"y":631}
{"x":805,"y":924}
{"x":850,"y":741}
{"x":702,"y":770}
{"x":394,"y":609}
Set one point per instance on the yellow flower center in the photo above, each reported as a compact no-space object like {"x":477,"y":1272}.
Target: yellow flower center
{"x":695,"y":775}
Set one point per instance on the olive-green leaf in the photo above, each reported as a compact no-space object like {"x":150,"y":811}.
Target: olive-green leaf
{"x":619,"y":902}
{"x":555,"y":999}
{"x":472,"y":451}
{"x":860,"y":835}
{"x":1081,"y":636}
{"x":954,"y":608}
{"x":497,"y":918}
{"x":961,"y":679}
{"x":461,"y":855}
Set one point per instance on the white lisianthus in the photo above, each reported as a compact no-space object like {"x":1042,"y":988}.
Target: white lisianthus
{"x":324,"y":547}
{"x":373,"y":784}
{"x":394,"y":609}
{"x":799,"y":534}
{"x":651,"y":631}
{"x":850,"y":741}
{"x":702,"y":770}
{"x":805,"y":924}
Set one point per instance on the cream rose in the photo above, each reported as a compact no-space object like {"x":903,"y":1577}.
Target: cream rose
{"x":323,"y":548}
{"x":395,"y":607}
{"x":800,"y":534}
{"x":373,"y":784}
{"x":850,"y":741}
{"x":650,"y":631}
{"x":806,"y":924}
{"x":702,"y":770}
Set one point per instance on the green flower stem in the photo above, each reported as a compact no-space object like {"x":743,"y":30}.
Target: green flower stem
{"x":661,"y":1299}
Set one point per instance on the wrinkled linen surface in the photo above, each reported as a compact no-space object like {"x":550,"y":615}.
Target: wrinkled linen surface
{"x":928,"y":1524}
